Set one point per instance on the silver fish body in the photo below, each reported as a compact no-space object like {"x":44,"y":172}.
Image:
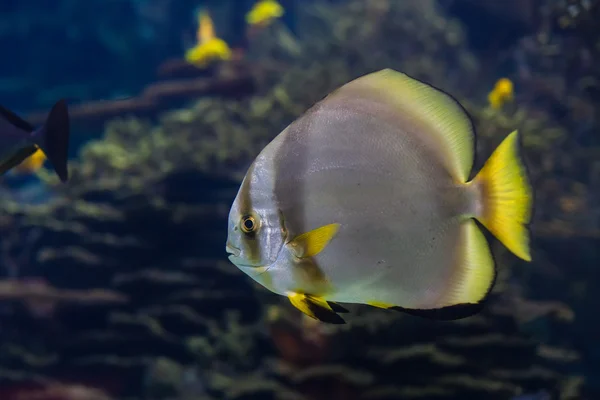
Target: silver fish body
{"x":392,"y":184}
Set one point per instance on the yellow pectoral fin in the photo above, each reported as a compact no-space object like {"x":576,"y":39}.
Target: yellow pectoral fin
{"x":311,"y":243}
{"x":315,"y":307}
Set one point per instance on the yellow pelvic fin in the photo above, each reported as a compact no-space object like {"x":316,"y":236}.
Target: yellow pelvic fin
{"x":433,"y":108}
{"x":475,"y":272}
{"x":315,"y":307}
{"x":506,"y":196}
{"x":311,"y":243}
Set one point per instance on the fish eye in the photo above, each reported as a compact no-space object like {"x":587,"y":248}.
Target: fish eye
{"x":248,"y":224}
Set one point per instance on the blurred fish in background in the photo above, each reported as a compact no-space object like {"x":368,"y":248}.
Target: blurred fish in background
{"x":21,"y":141}
{"x":264,"y":12}
{"x":208,"y":47}
{"x":502,"y":93}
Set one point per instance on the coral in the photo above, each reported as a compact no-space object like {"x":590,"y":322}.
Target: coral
{"x":144,"y":218}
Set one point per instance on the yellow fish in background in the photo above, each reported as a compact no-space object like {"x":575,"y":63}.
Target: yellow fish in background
{"x":366,"y":199}
{"x":502,"y":93}
{"x":32,"y":163}
{"x":208,"y":48}
{"x":264,"y":12}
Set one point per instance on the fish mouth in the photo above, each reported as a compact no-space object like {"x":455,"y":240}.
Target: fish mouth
{"x":234,"y":251}
{"x":234,"y":256}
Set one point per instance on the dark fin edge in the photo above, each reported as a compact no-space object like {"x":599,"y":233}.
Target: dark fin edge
{"x":323,"y":314}
{"x":337,"y":308}
{"x":16,"y":120}
{"x":53,"y":138}
{"x":449,"y":313}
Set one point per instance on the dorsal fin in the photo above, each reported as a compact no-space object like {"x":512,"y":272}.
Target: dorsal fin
{"x":433,"y":108}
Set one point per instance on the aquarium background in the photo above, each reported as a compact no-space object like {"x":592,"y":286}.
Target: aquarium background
{"x":117,"y":286}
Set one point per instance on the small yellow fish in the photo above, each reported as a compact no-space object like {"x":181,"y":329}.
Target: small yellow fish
{"x":32,"y":163}
{"x":264,"y":12}
{"x":209,"y":47}
{"x":502,"y":93}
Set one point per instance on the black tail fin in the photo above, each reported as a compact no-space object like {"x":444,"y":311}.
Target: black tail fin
{"x":53,"y":138}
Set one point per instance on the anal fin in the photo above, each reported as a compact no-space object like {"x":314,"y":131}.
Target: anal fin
{"x":472,"y":280}
{"x":315,"y":307}
{"x":475,"y":270}
{"x":449,"y":313}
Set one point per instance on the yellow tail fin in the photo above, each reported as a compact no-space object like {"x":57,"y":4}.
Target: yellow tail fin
{"x":507,"y":198}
